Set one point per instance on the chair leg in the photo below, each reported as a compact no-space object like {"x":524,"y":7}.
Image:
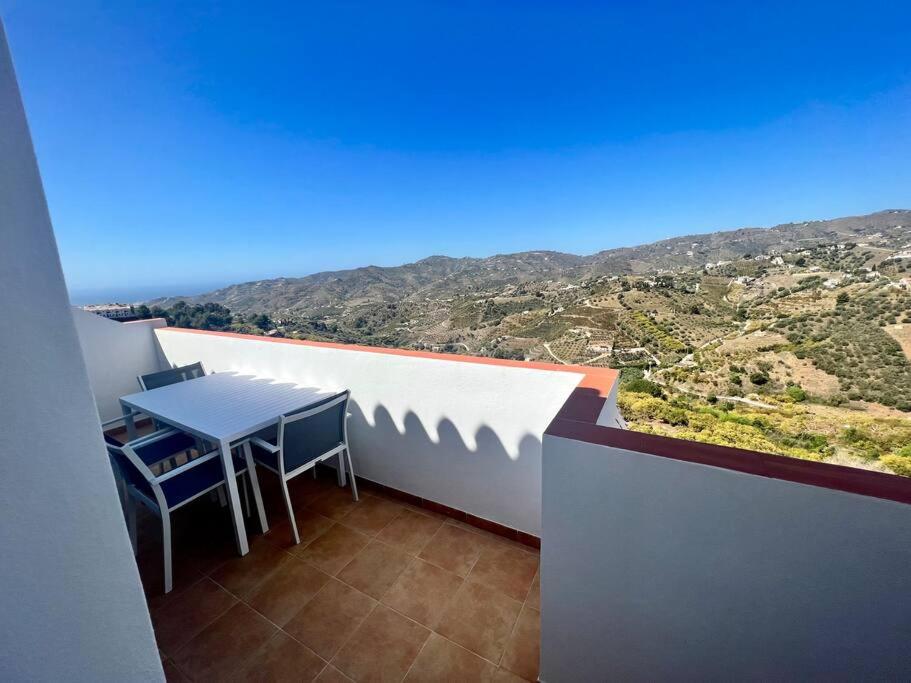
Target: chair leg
{"x":295,"y":537}
{"x":166,"y":547}
{"x":341,"y":470}
{"x":122,"y":493}
{"x":254,"y":485}
{"x":351,"y":473}
{"x":221,"y":497}
{"x":131,"y":524}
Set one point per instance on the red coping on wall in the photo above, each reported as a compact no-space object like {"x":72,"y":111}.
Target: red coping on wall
{"x":824,"y":475}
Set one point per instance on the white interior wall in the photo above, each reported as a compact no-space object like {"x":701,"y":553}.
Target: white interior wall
{"x":463,"y":434}
{"x":659,"y":569}
{"x":115,"y":355}
{"x":73,"y":606}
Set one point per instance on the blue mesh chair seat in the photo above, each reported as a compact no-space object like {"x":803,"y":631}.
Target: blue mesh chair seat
{"x":197,"y":480}
{"x":165,"y":492}
{"x":167,"y":447}
{"x":304,"y":438}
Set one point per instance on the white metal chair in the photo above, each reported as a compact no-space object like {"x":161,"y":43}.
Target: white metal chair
{"x":306,"y":438}
{"x":166,"y":492}
{"x":163,"y":378}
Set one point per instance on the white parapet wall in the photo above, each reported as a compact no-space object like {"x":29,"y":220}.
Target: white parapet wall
{"x":659,"y":569}
{"x":464,"y":434}
{"x":115,"y":355}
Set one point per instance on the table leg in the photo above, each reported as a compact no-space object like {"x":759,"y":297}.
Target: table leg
{"x":240,"y":531}
{"x":254,"y":484}
{"x":128,"y":421}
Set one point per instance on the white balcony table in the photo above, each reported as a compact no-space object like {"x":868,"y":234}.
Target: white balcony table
{"x":224,"y":408}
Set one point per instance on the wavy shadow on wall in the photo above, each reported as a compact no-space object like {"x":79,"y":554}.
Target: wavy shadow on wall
{"x":485,"y":480}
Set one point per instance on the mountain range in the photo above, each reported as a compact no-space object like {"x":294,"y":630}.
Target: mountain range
{"x":441,"y":276}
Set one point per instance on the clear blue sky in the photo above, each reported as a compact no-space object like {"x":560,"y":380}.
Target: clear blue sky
{"x":185,"y":145}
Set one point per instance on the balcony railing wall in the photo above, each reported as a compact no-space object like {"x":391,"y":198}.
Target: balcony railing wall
{"x":115,"y":355}
{"x":659,"y":568}
{"x":463,"y":434}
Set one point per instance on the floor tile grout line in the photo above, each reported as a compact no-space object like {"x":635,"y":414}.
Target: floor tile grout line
{"x":281,"y":631}
{"x":208,"y":624}
{"x":378,"y":532}
{"x":328,"y":661}
{"x":279,"y":628}
{"x":460,"y":646}
{"x":515,"y":626}
{"x":351,"y":635}
{"x":512,"y":632}
{"x":167,"y":602}
{"x":431,"y":628}
{"x":423,"y":645}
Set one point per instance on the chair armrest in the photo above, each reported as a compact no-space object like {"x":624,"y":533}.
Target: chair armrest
{"x":265,"y":445}
{"x":153,"y":437}
{"x":190,"y":464}
{"x":119,"y":418}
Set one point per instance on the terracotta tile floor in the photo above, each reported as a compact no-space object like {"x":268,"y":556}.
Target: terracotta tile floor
{"x":377,"y":590}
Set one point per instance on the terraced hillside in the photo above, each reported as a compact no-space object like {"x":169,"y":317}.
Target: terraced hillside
{"x":794,"y":339}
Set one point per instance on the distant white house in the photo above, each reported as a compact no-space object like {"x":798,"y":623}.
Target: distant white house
{"x":112,"y":311}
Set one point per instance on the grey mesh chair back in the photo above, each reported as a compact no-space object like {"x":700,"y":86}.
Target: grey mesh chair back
{"x":313,"y":433}
{"x":306,"y":437}
{"x":153,"y":380}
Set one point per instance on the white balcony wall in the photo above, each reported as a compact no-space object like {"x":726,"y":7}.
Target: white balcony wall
{"x":658,"y":569}
{"x":464,"y":434}
{"x":115,"y":355}
{"x":73,"y":605}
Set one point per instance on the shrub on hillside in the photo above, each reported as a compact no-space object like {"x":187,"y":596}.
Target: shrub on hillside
{"x":641,"y":385}
{"x":796,"y":393}
{"x":898,"y":464}
{"x":759,"y":378}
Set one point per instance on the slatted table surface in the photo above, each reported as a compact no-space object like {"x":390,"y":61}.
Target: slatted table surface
{"x":225,"y":406}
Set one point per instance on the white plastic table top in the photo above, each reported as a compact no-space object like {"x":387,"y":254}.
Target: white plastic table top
{"x":225,"y":406}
